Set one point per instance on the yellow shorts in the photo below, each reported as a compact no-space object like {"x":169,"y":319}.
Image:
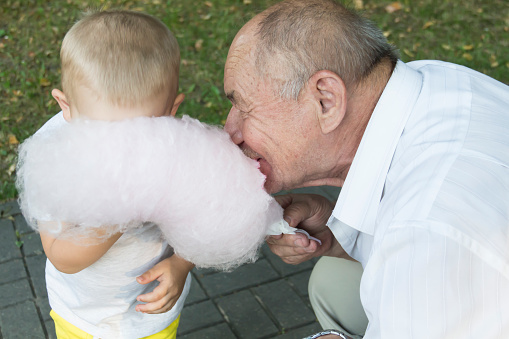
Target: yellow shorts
{"x":66,"y":330}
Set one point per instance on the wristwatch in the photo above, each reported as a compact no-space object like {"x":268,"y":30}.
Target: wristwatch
{"x":320,"y":334}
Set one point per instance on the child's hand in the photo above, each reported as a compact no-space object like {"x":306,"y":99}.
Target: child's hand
{"x":171,"y":274}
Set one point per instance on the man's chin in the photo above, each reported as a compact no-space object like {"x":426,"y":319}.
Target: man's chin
{"x":265,"y":168}
{"x":270,"y":187}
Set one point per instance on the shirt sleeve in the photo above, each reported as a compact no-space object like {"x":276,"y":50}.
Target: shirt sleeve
{"x":54,"y":122}
{"x":422,"y":284}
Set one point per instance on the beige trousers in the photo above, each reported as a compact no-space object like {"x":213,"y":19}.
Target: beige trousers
{"x":334,"y":294}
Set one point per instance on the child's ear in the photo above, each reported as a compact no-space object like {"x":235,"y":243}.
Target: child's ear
{"x":62,"y":102}
{"x":176,"y":104}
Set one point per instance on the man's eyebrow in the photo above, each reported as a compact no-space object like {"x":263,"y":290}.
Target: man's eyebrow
{"x":231,"y":96}
{"x":237,"y":100}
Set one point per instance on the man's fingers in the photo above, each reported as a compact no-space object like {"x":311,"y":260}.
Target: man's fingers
{"x":273,"y":239}
{"x":284,"y":200}
{"x":288,"y":251}
{"x":301,"y":207}
{"x":283,"y":239}
{"x":295,"y":260}
{"x":293,"y":248}
{"x":295,"y":210}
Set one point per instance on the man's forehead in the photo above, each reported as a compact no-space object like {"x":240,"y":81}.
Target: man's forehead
{"x":242,"y":49}
{"x":247,"y":32}
{"x":239,"y":76}
{"x":240,"y":55}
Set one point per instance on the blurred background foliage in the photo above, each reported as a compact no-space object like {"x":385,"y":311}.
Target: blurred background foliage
{"x":473,"y":33}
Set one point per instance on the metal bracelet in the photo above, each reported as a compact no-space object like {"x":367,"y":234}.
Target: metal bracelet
{"x":322,"y":333}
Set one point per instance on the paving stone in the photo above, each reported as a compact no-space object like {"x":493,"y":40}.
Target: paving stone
{"x":196,"y":293}
{"x":9,"y":208}
{"x":12,"y":270}
{"x":307,"y":301}
{"x":43,"y":304}
{"x":50,"y":329}
{"x":250,"y":310}
{"x":301,"y":332}
{"x":21,"y":224}
{"x":283,"y":268}
{"x":200,"y":272}
{"x":8,"y":241}
{"x":199,"y":316}
{"x":31,"y":244}
{"x":282,"y":301}
{"x":243,"y":277}
{"x":21,"y":321}
{"x":246,"y":315}
{"x":36,"y":266}
{"x":314,"y":260}
{"x":218,"y":331}
{"x":15,"y":292}
{"x":300,"y":282}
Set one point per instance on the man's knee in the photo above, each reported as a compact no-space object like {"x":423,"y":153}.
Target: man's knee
{"x":318,"y":281}
{"x":334,"y":294}
{"x":333,"y":275}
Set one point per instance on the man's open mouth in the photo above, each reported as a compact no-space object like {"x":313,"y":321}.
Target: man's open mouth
{"x":251,"y":154}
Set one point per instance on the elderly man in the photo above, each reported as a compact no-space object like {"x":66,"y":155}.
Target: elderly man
{"x":421,"y":151}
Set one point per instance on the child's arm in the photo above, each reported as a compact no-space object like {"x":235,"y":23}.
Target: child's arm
{"x":171,"y":274}
{"x":70,"y":256}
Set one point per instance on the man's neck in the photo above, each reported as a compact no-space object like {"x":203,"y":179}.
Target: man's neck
{"x":361,"y":104}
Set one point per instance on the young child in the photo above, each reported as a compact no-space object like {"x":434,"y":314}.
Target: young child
{"x":116,"y":65}
{"x":91,"y":184}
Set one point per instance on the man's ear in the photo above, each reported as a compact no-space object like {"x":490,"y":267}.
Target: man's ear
{"x":176,"y":104}
{"x":329,"y":91}
{"x":62,"y":102}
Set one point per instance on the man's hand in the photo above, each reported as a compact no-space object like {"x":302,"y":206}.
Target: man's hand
{"x":171,"y":274}
{"x":309,"y":212}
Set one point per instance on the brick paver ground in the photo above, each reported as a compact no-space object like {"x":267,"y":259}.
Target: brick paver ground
{"x":266,"y":299}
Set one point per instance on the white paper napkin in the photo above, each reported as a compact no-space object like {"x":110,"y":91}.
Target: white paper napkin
{"x":282,"y":227}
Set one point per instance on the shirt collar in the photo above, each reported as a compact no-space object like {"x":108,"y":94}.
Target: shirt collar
{"x":357,"y":205}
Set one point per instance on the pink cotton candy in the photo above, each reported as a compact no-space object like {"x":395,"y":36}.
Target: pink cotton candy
{"x":185,"y":176}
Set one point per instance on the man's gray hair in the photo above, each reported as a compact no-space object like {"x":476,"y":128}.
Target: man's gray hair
{"x":298,"y":38}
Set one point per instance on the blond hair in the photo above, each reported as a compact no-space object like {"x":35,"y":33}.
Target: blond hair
{"x":127,"y":56}
{"x":301,"y":37}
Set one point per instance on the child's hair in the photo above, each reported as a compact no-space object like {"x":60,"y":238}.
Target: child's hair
{"x":125,"y":56}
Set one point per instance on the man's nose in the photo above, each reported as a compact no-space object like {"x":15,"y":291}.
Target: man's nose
{"x":232,"y":126}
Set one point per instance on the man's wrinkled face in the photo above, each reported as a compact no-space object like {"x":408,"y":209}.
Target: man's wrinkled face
{"x":271,"y":130}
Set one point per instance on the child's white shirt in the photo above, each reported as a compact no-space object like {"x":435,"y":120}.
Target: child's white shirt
{"x":101,"y":299}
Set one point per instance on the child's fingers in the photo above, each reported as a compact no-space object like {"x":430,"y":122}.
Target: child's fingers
{"x":157,"y":306}
{"x":149,"y":276}
{"x":153,"y":273}
{"x":159,"y":292}
{"x":165,"y":308}
{"x":162,"y":310}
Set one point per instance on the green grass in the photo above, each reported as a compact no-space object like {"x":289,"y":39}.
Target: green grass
{"x":471,"y":32}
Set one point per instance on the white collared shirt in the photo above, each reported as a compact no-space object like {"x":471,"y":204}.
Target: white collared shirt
{"x":425,"y":206}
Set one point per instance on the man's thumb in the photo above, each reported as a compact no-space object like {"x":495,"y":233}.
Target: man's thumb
{"x":296,"y":213}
